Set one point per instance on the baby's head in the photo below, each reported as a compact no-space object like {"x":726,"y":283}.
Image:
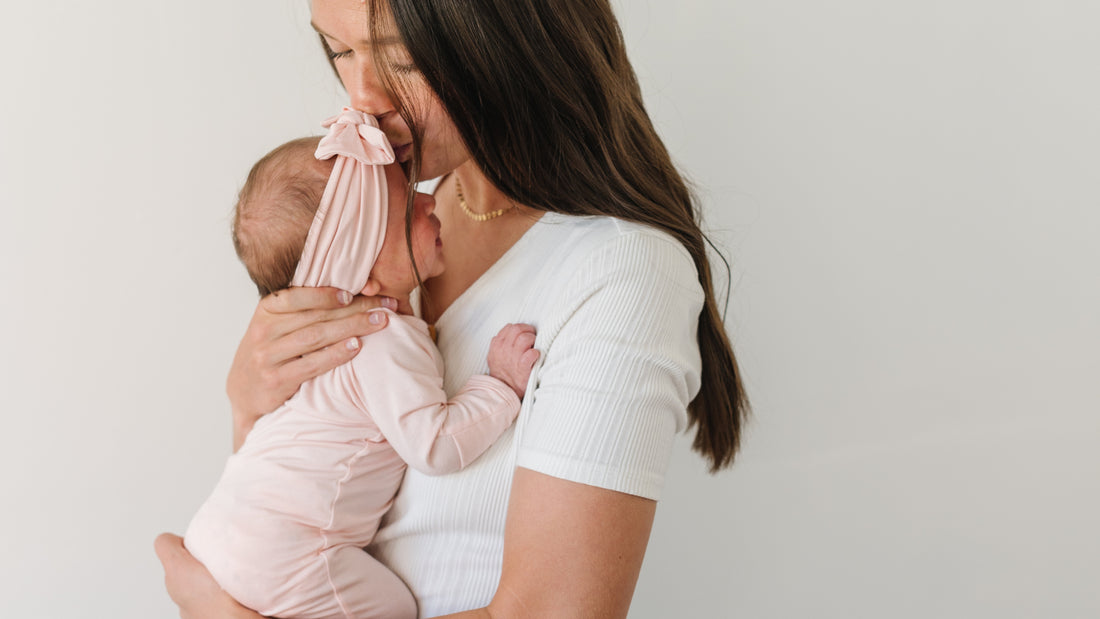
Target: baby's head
{"x":275,"y":210}
{"x":277,"y":207}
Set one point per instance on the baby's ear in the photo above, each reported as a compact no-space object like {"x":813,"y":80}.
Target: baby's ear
{"x":372,"y":288}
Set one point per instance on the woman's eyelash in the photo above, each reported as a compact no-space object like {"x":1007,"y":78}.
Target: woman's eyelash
{"x":399,"y":68}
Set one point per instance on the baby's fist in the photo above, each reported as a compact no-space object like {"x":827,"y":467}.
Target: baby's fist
{"x":512,"y":355}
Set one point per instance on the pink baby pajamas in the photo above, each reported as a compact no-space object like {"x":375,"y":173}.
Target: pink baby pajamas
{"x":284,"y":528}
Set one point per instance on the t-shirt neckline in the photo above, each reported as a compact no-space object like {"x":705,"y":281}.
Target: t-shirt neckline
{"x":489,"y":273}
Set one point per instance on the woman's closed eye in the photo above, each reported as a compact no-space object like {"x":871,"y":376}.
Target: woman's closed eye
{"x":330,"y":52}
{"x":337,"y":55}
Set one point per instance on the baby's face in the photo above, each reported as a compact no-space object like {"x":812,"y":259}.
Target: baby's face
{"x":393,"y":269}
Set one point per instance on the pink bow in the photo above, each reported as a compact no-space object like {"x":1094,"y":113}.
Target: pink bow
{"x":350,"y":225}
{"x":352,"y":133}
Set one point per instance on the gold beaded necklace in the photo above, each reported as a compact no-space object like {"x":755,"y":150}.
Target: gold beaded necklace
{"x":477,"y":216}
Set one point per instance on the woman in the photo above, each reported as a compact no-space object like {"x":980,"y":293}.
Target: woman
{"x":531,"y":112}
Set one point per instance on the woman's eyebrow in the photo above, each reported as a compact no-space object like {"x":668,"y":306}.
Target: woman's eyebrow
{"x":390,"y":40}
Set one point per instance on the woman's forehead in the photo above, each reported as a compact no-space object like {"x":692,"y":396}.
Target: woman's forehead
{"x":348,"y":22}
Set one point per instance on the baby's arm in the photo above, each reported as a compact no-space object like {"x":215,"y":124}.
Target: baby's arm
{"x":398,"y":381}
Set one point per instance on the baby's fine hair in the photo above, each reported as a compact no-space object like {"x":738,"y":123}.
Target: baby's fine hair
{"x":275,"y":209}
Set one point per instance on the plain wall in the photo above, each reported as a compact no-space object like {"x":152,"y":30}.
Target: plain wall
{"x":908,"y":193}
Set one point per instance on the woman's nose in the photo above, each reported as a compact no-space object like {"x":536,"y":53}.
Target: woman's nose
{"x":366,"y":92}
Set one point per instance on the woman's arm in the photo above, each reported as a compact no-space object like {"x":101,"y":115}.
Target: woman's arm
{"x":617,"y":379}
{"x":295,"y":335}
{"x":570,"y":550}
{"x":191,"y":586}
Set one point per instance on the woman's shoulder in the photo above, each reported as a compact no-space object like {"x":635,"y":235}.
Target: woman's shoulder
{"x":591,"y":246}
{"x":585,"y":235}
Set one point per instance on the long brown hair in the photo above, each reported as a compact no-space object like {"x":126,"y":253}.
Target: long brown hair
{"x":550,"y":109}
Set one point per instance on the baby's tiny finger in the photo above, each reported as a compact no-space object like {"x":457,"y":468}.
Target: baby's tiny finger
{"x":529,"y":358}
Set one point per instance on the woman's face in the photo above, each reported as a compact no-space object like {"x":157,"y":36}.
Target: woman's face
{"x":393,"y":269}
{"x":345,"y":28}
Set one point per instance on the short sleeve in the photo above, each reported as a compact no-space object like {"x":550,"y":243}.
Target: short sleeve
{"x":621,"y":364}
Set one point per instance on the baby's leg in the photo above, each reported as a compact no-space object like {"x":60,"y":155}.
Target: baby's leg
{"x":365,"y":588}
{"x":340,"y":583}
{"x":272,"y":566}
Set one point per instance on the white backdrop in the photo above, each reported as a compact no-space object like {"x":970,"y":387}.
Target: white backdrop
{"x":909,"y":193}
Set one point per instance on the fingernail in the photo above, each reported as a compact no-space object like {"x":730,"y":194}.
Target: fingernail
{"x":389,"y":303}
{"x":345,"y":297}
{"x":376,"y":318}
{"x":353,"y":344}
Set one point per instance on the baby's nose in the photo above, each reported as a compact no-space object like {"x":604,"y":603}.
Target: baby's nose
{"x":425,"y":201}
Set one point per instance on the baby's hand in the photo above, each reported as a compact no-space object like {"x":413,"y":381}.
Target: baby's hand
{"x":511,"y":356}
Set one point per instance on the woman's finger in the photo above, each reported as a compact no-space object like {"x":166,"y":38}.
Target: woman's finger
{"x":300,"y":369}
{"x":275,"y":325}
{"x":263,"y":377}
{"x":258,"y":380}
{"x":298,"y":299}
{"x":315,"y":337}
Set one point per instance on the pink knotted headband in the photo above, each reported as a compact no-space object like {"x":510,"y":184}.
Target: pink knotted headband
{"x":350,"y":225}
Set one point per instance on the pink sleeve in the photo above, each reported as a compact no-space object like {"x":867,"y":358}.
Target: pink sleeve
{"x":398,"y":379}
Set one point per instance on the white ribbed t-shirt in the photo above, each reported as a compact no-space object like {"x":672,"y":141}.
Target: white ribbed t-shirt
{"x":616,"y":306}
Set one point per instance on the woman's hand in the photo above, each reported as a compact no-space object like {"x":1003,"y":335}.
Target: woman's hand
{"x":295,"y":335}
{"x":192,"y":587}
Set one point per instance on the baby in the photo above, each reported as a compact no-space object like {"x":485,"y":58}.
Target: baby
{"x":284,"y":529}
